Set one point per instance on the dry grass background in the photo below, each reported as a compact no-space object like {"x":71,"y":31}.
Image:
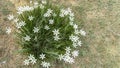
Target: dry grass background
{"x":99,"y":18}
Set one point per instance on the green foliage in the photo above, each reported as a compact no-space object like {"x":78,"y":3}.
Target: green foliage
{"x":43,"y":41}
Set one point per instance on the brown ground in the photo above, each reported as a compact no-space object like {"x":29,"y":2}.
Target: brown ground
{"x":101,"y":22}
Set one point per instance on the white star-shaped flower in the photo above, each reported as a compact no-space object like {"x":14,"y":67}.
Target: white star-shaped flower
{"x":75,"y":26}
{"x":68,"y":49}
{"x":27,"y":38}
{"x":8,"y":30}
{"x":56,"y":38}
{"x":47,"y":27}
{"x":74,"y":44}
{"x":49,"y":11}
{"x":51,"y":21}
{"x":79,"y":43}
{"x":36,"y":3}
{"x":47,"y":15}
{"x":74,"y":38}
{"x":71,"y":14}
{"x":33,"y":61}
{"x":68,"y":59}
{"x":22,"y":23}
{"x":44,"y":2}
{"x":71,"y":23}
{"x":31,"y":57}
{"x":55,"y":32}
{"x":16,"y":20}
{"x":71,"y":60}
{"x":83,"y":33}
{"x":10,"y":17}
{"x":30,"y":2}
{"x":71,"y":19}
{"x":41,"y":6}
{"x":30,"y":18}
{"x":36,"y":29}
{"x":45,"y":64}
{"x":26,"y":62}
{"x":61,"y":57}
{"x":42,"y":56}
{"x":76,"y":31}
{"x":75,"y":53}
{"x":4,"y":62}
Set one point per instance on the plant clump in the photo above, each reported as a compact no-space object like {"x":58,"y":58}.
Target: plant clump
{"x":47,"y":32}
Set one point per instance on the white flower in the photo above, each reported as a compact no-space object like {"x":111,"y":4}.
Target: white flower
{"x":71,"y":23}
{"x":79,"y":43}
{"x":71,"y":14}
{"x":36,"y":29}
{"x":75,"y":53}
{"x":8,"y":30}
{"x":23,"y":9}
{"x":30,"y":2}
{"x":27,"y":38}
{"x":20,"y":24}
{"x":51,"y":21}
{"x":26,"y":62}
{"x":61,"y":57}
{"x":71,"y":60}
{"x":74,"y":38}
{"x":42,"y":56}
{"x":35,"y":3}
{"x":44,"y":2}
{"x":30,"y":18}
{"x":74,"y":44}
{"x":4,"y":62}
{"x":69,"y":10}
{"x":41,"y":6}
{"x":83,"y":33}
{"x":76,"y":31}
{"x":49,"y":11}
{"x":68,"y":59}
{"x":75,"y":26}
{"x":47,"y":15}
{"x":65,"y":12}
{"x":55,"y":32}
{"x":16,"y":20}
{"x":56,"y":38}
{"x":32,"y":59}
{"x":68,"y":49}
{"x":47,"y":27}
{"x":45,"y":64}
{"x":10,"y":17}
{"x":62,"y":15}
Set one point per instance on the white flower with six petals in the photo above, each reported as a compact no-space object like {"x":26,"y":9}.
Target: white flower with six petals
{"x":27,"y":38}
{"x":42,"y":56}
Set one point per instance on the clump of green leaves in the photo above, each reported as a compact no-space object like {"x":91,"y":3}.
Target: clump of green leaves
{"x":46,"y":33}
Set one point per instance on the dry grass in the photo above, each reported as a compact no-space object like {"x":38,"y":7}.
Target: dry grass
{"x":100,"y":19}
